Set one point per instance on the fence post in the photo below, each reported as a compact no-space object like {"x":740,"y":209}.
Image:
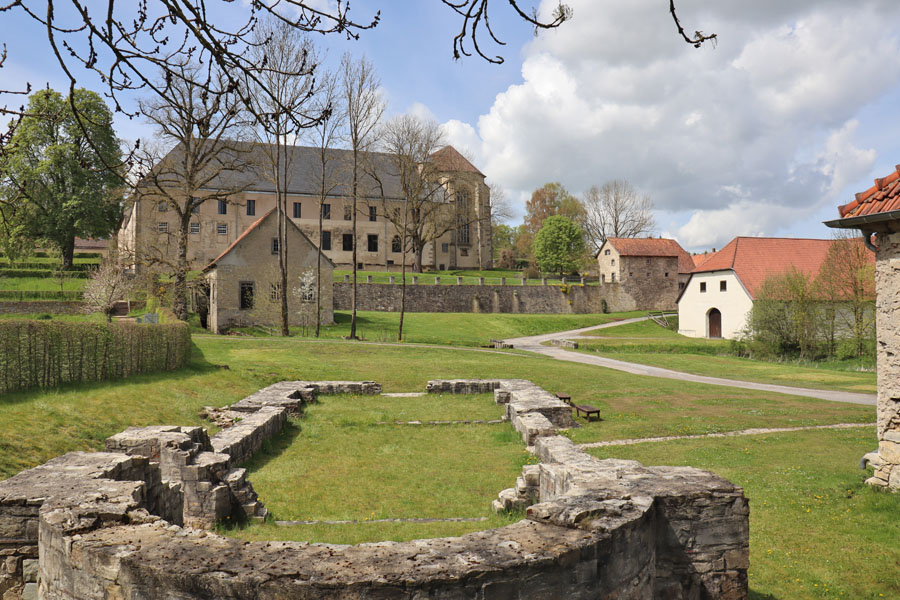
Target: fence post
{"x":459,"y":281}
{"x":391,"y":279}
{"x":503,"y":281}
{"x":437,"y":280}
{"x":346,"y":279}
{"x":481,"y":281}
{"x":415,"y":279}
{"x":543,"y":281}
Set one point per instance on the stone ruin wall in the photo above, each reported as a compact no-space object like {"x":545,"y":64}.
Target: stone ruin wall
{"x":886,"y":459}
{"x":117,"y":524}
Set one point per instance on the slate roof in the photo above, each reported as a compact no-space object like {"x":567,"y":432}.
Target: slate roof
{"x":754,"y":259}
{"x":882,"y":197}
{"x":653,"y":247}
{"x":247,"y":232}
{"x":305,"y":170}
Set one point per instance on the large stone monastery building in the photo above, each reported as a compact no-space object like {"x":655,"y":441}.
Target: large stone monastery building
{"x":149,"y":230}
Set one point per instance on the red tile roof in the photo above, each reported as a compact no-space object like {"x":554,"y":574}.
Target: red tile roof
{"x":754,"y":259}
{"x":239,"y":239}
{"x":882,"y":197}
{"x":449,"y":159}
{"x":653,"y":247}
{"x":699,"y":259}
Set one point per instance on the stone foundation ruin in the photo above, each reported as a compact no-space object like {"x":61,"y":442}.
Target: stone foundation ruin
{"x":129,"y":522}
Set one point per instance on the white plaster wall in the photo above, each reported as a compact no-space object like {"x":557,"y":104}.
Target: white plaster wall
{"x":734,"y":304}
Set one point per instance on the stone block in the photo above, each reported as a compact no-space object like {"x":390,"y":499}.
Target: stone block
{"x":30,"y":570}
{"x":889,"y":451}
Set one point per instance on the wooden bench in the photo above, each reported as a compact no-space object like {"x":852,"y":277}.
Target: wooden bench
{"x":588,"y":410}
{"x":565,"y":398}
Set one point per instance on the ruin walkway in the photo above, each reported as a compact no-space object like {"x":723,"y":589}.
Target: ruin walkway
{"x":535,"y":344}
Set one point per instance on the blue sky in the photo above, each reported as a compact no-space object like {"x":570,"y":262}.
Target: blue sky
{"x":791,"y":113}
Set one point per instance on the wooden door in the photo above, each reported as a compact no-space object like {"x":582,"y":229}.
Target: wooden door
{"x":715,"y":323}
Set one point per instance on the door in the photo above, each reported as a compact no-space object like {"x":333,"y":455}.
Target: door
{"x":715,"y":323}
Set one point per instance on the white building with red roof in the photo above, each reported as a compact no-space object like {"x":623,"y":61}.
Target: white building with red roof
{"x":718,"y":297}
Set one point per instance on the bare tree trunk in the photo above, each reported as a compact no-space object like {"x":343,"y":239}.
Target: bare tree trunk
{"x":179,"y":284}
{"x":68,"y":253}
{"x":353,"y":296}
{"x":319,"y":261}
{"x":280,"y":196}
{"x":403,"y":271}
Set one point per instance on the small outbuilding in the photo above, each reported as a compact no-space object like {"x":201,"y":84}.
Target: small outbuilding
{"x":644,"y":273}
{"x":244,"y":281}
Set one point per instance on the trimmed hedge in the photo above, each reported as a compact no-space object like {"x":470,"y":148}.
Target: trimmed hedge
{"x":23,"y":295}
{"x":39,"y":354}
{"x":96,"y":255}
{"x":42,"y":273}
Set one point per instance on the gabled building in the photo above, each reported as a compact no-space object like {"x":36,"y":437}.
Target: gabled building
{"x":647,"y":273}
{"x":244,"y":280}
{"x":148,"y":230}
{"x":718,"y":296}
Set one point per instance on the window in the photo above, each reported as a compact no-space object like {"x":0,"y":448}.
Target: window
{"x":326,"y":211}
{"x":702,"y":287}
{"x":463,"y":234}
{"x":274,"y":245}
{"x":246,"y":299}
{"x":373,"y":213}
{"x":606,"y":253}
{"x":326,"y":240}
{"x":307,"y":292}
{"x":612,"y":278}
{"x":275,"y":291}
{"x":396,"y":244}
{"x":648,"y":273}
{"x":347,"y":242}
{"x":723,"y":286}
{"x":445,"y":247}
{"x":373,"y":242}
{"x":195,"y":209}
{"x":162,"y":227}
{"x":348,"y":212}
{"x":602,"y":278}
{"x":666,"y":274}
{"x":251,"y":208}
{"x":195,"y":228}
{"x":612,"y":262}
{"x":297,"y":212}
{"x":223,"y":207}
{"x":463,"y":251}
{"x":222,"y":228}
{"x":631,"y":273}
{"x":163,"y":206}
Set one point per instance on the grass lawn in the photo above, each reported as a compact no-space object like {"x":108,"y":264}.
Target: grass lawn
{"x":337,"y":464}
{"x":457,"y":329}
{"x":42,"y":284}
{"x":847,"y":551}
{"x":649,"y":344}
{"x":816,"y":530}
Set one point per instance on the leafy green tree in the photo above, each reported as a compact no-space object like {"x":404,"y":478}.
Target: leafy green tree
{"x":61,"y":175}
{"x":786,"y":315}
{"x":550,"y":199}
{"x":559,"y":245}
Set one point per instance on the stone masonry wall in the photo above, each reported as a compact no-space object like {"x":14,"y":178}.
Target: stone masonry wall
{"x":513,"y":298}
{"x":600,"y":529}
{"x":40,"y":307}
{"x":886,"y":459}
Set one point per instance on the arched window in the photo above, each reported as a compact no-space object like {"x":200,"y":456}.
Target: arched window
{"x":396,"y":244}
{"x":462,"y":217}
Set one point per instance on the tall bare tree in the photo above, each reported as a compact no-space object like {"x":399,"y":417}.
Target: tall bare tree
{"x":325,"y":135}
{"x":616,"y":210}
{"x":364,"y":108}
{"x":282,"y":106}
{"x":200,"y":121}
{"x":410,"y":141}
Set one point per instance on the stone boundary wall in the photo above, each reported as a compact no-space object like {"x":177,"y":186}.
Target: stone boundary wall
{"x":525,"y":299}
{"x":58,"y":307}
{"x":104,"y":525}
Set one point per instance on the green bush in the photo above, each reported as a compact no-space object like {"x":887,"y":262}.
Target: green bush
{"x":46,"y":266}
{"x":40,"y":354}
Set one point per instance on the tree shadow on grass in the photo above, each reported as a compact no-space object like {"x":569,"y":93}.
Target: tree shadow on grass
{"x":198,"y":365}
{"x":760,"y":596}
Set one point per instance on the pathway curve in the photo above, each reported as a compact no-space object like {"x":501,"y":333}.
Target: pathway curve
{"x":534,"y":344}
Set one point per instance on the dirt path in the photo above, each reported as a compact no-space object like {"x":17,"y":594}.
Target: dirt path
{"x":534,"y":344}
{"x":758,"y":431}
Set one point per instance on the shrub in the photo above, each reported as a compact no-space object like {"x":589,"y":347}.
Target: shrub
{"x":41,"y":273}
{"x":39,"y":354}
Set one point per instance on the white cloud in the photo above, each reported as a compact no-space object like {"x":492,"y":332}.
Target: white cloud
{"x":746,"y":138}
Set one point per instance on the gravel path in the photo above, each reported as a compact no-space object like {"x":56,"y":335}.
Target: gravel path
{"x":758,"y":431}
{"x":534,"y":344}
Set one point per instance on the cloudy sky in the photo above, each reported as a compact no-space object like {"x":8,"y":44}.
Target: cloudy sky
{"x":793,"y":111}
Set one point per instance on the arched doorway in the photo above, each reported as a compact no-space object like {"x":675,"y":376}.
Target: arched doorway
{"x":714,"y":321}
